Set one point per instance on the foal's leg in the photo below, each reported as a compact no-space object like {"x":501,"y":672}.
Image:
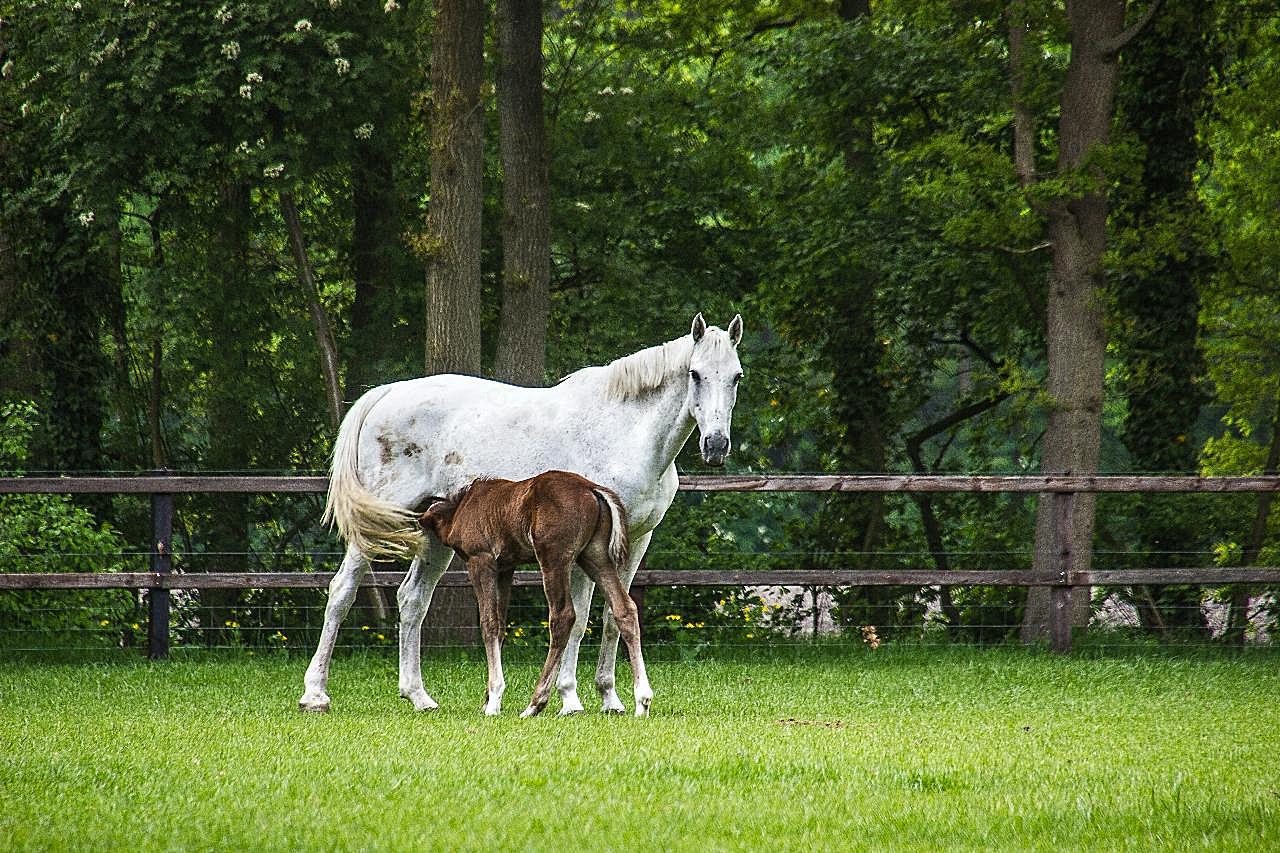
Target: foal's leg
{"x":580,"y":589}
{"x":483,"y":573}
{"x":414,"y":597}
{"x":606,"y":667}
{"x":342,"y":592}
{"x":627,"y":617}
{"x":560,"y":620}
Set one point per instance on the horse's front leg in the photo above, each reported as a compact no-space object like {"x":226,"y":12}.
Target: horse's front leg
{"x":342,"y":592}
{"x":607,"y":665}
{"x":414,"y":597}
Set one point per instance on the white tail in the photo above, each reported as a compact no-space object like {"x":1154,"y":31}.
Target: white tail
{"x":374,"y":526}
{"x":619,"y":546}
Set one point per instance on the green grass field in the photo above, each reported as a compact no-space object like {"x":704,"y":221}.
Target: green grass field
{"x":893,"y":749}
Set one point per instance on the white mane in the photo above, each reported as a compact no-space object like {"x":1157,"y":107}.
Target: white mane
{"x":632,"y":375}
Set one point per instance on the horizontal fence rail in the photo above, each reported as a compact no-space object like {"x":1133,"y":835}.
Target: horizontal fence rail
{"x":872,"y":483}
{"x":1063,"y":578}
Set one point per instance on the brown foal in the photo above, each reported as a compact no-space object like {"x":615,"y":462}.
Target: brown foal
{"x":555,"y":518}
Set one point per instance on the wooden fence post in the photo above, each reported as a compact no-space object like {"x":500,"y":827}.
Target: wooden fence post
{"x":162,"y":564}
{"x":1060,"y":593}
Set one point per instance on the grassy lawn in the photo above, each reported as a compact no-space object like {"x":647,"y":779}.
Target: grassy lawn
{"x":897,"y":748}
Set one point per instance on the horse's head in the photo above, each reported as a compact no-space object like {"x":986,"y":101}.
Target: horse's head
{"x":714,"y":371}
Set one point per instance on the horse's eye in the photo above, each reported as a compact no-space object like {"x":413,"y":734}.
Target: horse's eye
{"x":697,"y":377}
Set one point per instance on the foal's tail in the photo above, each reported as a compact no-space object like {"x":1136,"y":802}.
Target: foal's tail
{"x":374,"y":526}
{"x":619,"y":545}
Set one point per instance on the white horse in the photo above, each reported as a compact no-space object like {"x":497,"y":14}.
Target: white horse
{"x":620,"y":425}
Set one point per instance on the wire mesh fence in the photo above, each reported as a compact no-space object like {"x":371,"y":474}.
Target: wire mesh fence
{"x":705,"y":532}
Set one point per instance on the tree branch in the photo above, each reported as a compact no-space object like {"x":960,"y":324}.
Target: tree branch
{"x":1112,"y":46}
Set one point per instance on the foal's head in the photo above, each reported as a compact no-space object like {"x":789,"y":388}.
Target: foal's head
{"x":714,"y":371}
{"x":438,"y":518}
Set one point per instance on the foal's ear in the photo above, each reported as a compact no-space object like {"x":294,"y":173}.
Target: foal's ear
{"x":699,"y":327}
{"x":735,"y":329}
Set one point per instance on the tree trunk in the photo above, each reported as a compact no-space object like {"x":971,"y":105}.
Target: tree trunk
{"x":319,"y":317}
{"x":457,"y":195}
{"x":526,"y":224}
{"x":453,"y":241}
{"x":1075,"y":335}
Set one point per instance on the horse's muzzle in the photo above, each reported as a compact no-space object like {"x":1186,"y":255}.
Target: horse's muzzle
{"x":715,"y":447}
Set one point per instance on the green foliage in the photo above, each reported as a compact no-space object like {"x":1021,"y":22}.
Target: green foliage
{"x":50,"y":533}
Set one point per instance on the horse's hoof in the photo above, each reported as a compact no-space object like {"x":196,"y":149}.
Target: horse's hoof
{"x":613,"y":712}
{"x":571,"y":712}
{"x":420,"y":700}
{"x":314,"y":704}
{"x":531,"y":711}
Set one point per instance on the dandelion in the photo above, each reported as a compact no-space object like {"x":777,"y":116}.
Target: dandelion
{"x":253,"y":77}
{"x":104,"y":623}
{"x":390,"y":6}
{"x":591,"y":116}
{"x":364,"y":627}
{"x":86,"y":218}
{"x":303,"y":25}
{"x":246,"y":92}
{"x":231,"y":49}
{"x":673,"y":617}
{"x":342,"y":65}
{"x":380,"y":636}
{"x":273,"y":171}
{"x":364,"y":131}
{"x":223,"y":15}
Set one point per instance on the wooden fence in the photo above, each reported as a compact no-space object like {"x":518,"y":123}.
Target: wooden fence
{"x":1061,"y":578}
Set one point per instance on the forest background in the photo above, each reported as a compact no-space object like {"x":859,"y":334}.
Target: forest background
{"x":995,"y":237}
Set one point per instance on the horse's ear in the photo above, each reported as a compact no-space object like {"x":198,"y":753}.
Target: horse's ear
{"x":699,"y":327}
{"x":735,"y":329}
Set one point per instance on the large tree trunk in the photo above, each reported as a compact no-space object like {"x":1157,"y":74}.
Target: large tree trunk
{"x":457,"y":194}
{"x":453,"y":240}
{"x":1075,"y":335}
{"x":526,"y":224}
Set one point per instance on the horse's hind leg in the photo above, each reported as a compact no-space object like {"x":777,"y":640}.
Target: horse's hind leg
{"x":414,"y":597}
{"x":484,"y":580}
{"x":607,"y":665}
{"x":342,"y":592}
{"x":580,"y":589}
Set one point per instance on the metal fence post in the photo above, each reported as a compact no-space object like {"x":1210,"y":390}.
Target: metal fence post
{"x":161,"y":564}
{"x":1060,"y":594}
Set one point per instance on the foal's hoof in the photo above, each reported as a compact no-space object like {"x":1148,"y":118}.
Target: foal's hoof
{"x":613,"y":712}
{"x":531,"y":711}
